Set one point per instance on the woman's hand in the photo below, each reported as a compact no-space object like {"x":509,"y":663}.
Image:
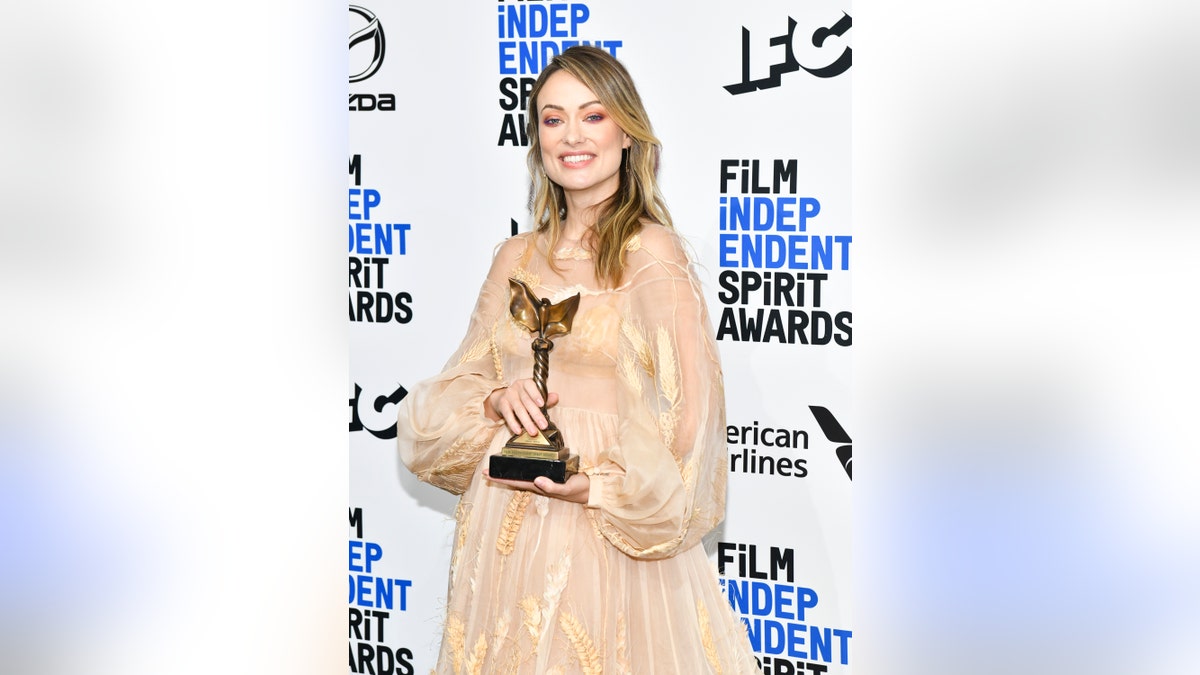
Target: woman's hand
{"x":576,"y":489}
{"x":519,"y":405}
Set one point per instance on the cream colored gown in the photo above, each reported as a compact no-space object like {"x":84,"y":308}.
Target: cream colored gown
{"x":620,"y":585}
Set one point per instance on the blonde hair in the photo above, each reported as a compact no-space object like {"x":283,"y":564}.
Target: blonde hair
{"x":637,"y":197}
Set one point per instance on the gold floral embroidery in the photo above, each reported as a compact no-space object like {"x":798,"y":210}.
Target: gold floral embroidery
{"x":668,"y":383}
{"x":454,"y":638}
{"x":629,"y":372}
{"x":477,"y":350}
{"x":478,"y":653}
{"x":639,"y":345}
{"x":462,"y":515}
{"x":572,"y":253}
{"x":525,"y":276}
{"x":556,"y":581}
{"x":514,"y":514}
{"x":454,"y":469}
{"x":623,"y":667}
{"x":706,"y":638}
{"x":585,"y":648}
{"x":497,"y":362}
{"x":501,"y":631}
{"x":533,"y":619}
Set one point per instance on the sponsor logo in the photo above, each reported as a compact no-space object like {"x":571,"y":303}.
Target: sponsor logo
{"x":823,"y":38}
{"x":834,"y":433}
{"x":782,"y":617}
{"x":376,"y":601}
{"x":371,"y":33}
{"x":375,"y":414}
{"x":529,"y":37}
{"x":776,"y":268}
{"x":373,"y":244}
{"x":368,"y":46}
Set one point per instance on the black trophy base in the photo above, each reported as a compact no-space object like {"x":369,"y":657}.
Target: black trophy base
{"x":528,"y":468}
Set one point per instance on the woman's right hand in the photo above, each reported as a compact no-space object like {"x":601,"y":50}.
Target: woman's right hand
{"x":519,"y":405}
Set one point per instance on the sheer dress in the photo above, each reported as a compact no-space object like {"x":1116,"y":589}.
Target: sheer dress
{"x":621,"y":584}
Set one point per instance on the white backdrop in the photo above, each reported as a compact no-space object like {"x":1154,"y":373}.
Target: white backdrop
{"x":437,"y":180}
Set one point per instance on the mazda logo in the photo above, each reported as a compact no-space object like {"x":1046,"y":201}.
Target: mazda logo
{"x":373,"y":31}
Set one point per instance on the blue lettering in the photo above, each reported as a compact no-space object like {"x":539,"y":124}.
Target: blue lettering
{"x":506,"y":58}
{"x":537,"y":29}
{"x":761,"y":214}
{"x":739,"y":598}
{"x":760,"y":599}
{"x":549,"y":51}
{"x":369,"y":591}
{"x":373,"y":553}
{"x":843,"y":637}
{"x":529,"y":57}
{"x":844,"y":241}
{"x":820,"y":644}
{"x":782,"y":601}
{"x":739,"y":214}
{"x":782,"y":223}
{"x":808,"y":600}
{"x":796,"y":641}
{"x":809,"y":208}
{"x":776,"y":637}
{"x":535,"y":21}
{"x":370,"y":201}
{"x":379,"y":238}
{"x":557,"y":19}
{"x":727,"y":245}
{"x":764,"y":214}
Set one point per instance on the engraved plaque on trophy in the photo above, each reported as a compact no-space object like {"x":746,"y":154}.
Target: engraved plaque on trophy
{"x":526,"y":457}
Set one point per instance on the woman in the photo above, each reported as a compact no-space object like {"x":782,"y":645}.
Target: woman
{"x":603,"y":573}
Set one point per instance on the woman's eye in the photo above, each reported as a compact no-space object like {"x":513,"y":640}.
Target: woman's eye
{"x":551,"y":121}
{"x":594,"y":117}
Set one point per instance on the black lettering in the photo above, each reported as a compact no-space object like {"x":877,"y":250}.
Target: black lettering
{"x":724,"y":556}
{"x":404,"y":662}
{"x":822,"y":328}
{"x":369,"y":102}
{"x":728,"y":281}
{"x":366,"y":654}
{"x":356,"y":513}
{"x":797,"y":322}
{"x":508,"y":94}
{"x":365,"y":302}
{"x":403,"y":307}
{"x":728,"y":173}
{"x":512,"y":131}
{"x":786,"y":170}
{"x":842,"y":321}
{"x":356,"y":168}
{"x":783,"y":559}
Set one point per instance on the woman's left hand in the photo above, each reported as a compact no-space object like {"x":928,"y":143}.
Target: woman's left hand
{"x":576,"y":489}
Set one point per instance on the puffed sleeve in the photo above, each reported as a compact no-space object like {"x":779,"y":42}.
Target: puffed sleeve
{"x":442,"y":432}
{"x":661,"y":486}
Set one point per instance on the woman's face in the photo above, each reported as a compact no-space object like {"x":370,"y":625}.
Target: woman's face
{"x":581,"y":145}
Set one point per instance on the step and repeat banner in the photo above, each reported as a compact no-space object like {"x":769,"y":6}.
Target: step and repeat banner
{"x":752,"y":103}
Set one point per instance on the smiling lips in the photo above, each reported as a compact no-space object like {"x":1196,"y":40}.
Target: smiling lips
{"x":576,"y":160}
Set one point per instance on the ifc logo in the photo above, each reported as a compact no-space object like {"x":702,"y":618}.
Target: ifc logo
{"x":365,"y":61}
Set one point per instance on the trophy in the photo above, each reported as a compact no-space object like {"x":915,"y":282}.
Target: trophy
{"x":526,"y":457}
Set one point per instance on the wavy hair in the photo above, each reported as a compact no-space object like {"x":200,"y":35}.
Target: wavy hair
{"x":637,"y":197}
